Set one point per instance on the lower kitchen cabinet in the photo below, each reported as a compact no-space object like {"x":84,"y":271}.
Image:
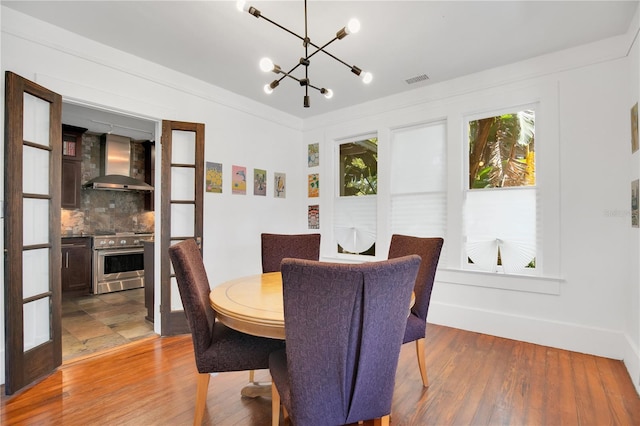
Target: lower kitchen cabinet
{"x":76,"y":265}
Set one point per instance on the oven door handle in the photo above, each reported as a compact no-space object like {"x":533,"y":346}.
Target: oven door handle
{"x":130,"y":250}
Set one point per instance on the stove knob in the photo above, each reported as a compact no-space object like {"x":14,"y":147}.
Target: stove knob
{"x":111,"y":242}
{"x":123,"y":242}
{"x":136,"y":241}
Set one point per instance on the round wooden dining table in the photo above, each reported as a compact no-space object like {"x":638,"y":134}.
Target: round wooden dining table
{"x":253,"y":304}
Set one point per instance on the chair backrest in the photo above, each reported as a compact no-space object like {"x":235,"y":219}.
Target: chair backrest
{"x":276,"y":247}
{"x":194,"y":291}
{"x":344,"y":326}
{"x":429,"y":250}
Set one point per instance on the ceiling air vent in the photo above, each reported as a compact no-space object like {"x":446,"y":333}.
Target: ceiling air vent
{"x":417,"y":79}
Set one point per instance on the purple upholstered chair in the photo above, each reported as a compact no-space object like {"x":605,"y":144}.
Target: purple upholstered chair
{"x":217,"y":348}
{"x":344,"y":325}
{"x":276,"y":247}
{"x":429,"y":250}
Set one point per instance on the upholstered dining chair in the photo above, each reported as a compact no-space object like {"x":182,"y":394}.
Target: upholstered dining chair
{"x":344,"y":325}
{"x":276,"y":247}
{"x":217,"y":348}
{"x":429,"y":250}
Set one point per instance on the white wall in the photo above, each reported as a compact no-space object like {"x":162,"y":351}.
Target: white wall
{"x":587,"y":299}
{"x":237,"y":132}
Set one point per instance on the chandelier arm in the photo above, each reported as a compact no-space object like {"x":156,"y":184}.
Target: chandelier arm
{"x":321,"y":49}
{"x":290,"y":76}
{"x":281,"y":27}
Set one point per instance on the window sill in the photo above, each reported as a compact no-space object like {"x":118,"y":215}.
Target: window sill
{"x":530,"y":284}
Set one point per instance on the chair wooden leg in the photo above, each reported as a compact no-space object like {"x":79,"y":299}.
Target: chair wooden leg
{"x":251,"y":376}
{"x":201,"y":397}
{"x":421,"y":361}
{"x":382,"y":421}
{"x":275,"y":405}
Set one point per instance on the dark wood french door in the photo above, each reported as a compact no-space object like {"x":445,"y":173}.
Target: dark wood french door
{"x":181,"y":211}
{"x":32,"y":261}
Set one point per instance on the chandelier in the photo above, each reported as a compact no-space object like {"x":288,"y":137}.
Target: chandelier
{"x":267,"y":65}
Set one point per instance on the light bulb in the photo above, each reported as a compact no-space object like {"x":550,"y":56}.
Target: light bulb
{"x":367,"y":77}
{"x":242,"y":5}
{"x":353,"y":26}
{"x":328,"y":93}
{"x":267,"y":89}
{"x":266,"y":64}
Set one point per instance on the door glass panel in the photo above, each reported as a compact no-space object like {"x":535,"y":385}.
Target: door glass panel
{"x":35,"y":272}
{"x":35,"y":171}
{"x":35,"y":225}
{"x":183,"y":147}
{"x":183,"y":183}
{"x":35,"y":124}
{"x":176,"y":302}
{"x":182,"y":220}
{"x":36,"y":323}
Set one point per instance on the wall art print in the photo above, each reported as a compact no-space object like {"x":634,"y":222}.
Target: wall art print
{"x":238,"y":180}
{"x":635,"y":192}
{"x":314,"y":217}
{"x":259,"y":182}
{"x":313,"y":156}
{"x":634,"y":128}
{"x":280,"y":185}
{"x":314,"y":185}
{"x":214,"y":177}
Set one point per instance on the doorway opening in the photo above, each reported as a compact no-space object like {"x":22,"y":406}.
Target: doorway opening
{"x":95,"y":319}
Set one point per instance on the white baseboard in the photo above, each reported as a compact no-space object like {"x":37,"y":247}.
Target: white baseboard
{"x":562,"y":335}
{"x":631,"y":359}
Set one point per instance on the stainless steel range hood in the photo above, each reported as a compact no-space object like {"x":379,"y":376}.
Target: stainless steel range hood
{"x":115,"y":167}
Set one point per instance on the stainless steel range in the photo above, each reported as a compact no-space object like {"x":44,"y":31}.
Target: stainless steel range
{"x":118,"y":261}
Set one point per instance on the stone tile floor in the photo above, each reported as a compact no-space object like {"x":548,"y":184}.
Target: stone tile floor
{"x":92,"y":323}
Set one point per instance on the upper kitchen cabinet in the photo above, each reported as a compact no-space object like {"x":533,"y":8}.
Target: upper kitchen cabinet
{"x":71,"y":166}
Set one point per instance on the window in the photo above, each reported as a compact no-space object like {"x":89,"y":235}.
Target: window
{"x":418,"y":181}
{"x":500,"y":201}
{"x":355,"y":207}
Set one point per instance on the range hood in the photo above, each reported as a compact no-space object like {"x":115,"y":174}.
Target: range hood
{"x":115,"y":167}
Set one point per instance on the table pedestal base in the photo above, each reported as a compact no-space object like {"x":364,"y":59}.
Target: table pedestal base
{"x":256,"y":389}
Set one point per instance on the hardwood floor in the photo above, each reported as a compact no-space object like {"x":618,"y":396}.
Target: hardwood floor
{"x":475,"y":379}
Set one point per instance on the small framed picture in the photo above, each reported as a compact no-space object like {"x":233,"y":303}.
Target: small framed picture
{"x":238,"y":180}
{"x":280,"y":185}
{"x":314,"y":217}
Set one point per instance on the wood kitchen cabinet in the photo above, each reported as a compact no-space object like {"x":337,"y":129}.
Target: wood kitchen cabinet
{"x":76,"y":265}
{"x":71,"y":166}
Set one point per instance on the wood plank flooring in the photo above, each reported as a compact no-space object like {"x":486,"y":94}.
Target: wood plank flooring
{"x":475,"y":379}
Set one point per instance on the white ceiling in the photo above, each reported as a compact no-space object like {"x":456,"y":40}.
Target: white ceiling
{"x":214,"y":42}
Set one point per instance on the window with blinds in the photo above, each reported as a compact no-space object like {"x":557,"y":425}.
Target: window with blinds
{"x":419,"y":181}
{"x":500,"y":207}
{"x":355,"y":218}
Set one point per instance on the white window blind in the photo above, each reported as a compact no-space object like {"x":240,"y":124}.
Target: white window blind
{"x":418,"y":181}
{"x":503,"y":219}
{"x":355,"y":222}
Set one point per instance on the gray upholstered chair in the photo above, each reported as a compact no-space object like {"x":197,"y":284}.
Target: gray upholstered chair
{"x":429,"y":250}
{"x":344,"y":325}
{"x":217,"y":347}
{"x":276,"y":247}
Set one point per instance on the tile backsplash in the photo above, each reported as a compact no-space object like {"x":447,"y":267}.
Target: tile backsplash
{"x":101,"y":210}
